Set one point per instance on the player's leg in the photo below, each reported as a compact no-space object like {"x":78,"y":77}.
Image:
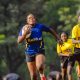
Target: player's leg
{"x":69,"y":72}
{"x":77,"y":59}
{"x":63,"y":70}
{"x":78,"y":70}
{"x":70,"y":65}
{"x":40,"y":60}
{"x":32,"y":70}
{"x":63,"y":67}
{"x":78,"y":66}
{"x":30,"y":61}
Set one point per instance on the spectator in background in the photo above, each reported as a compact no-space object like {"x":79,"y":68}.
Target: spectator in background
{"x":55,"y":73}
{"x":12,"y":76}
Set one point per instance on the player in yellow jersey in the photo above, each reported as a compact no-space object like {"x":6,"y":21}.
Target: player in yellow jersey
{"x":65,"y":51}
{"x":76,"y":41}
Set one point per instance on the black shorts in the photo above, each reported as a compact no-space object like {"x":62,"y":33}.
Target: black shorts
{"x":65,"y":61}
{"x":77,"y":54}
{"x":31,"y":58}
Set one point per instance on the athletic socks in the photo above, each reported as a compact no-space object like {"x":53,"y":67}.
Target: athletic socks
{"x":43,"y":78}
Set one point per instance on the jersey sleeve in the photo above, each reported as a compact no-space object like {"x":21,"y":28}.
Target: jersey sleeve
{"x":44,"y":28}
{"x":74,"y":32}
{"x":58,"y":49}
{"x":20,"y":33}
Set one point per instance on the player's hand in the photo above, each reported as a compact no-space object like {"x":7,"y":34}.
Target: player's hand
{"x":60,"y":41}
{"x":61,"y":54}
{"x":27,"y":29}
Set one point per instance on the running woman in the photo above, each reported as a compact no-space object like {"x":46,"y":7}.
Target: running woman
{"x":76,"y":41}
{"x":65,"y":51}
{"x":34,"y":51}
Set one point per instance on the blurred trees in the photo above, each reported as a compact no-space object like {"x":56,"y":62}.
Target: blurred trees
{"x":60,"y":14}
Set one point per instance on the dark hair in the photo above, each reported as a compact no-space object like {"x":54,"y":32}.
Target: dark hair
{"x":65,"y":33}
{"x":30,"y":14}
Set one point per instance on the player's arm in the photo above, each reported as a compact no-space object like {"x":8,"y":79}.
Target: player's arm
{"x":23,"y":32}
{"x":56,"y":36}
{"x":61,"y":54}
{"x":50,"y":30}
{"x":54,"y":33}
{"x":75,"y":41}
{"x":74,"y":35}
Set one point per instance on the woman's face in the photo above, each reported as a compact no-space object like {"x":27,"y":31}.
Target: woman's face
{"x":63,"y":37}
{"x":31,"y":19}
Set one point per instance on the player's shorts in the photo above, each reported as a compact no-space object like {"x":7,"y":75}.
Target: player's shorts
{"x":31,"y":58}
{"x":77,"y":54}
{"x":65,"y":61}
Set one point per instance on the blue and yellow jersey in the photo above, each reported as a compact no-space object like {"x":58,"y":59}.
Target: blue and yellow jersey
{"x":76,"y":34}
{"x":66,"y":48}
{"x":35,"y":42}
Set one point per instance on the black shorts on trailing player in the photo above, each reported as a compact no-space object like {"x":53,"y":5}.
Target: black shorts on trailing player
{"x":67,"y":60}
{"x":77,"y":54}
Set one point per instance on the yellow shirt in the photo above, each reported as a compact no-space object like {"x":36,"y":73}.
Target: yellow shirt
{"x":66,"y":48}
{"x":76,"y":34}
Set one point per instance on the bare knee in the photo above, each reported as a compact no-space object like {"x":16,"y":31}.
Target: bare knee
{"x":40,"y":59}
{"x":40,"y":67}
